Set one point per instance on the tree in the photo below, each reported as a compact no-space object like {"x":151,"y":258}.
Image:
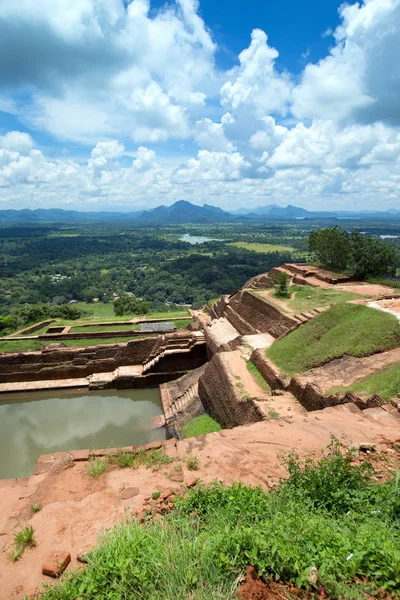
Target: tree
{"x":130,"y":305}
{"x":372,"y":257}
{"x":331,"y":247}
{"x":365,"y":255}
{"x":282,"y":284}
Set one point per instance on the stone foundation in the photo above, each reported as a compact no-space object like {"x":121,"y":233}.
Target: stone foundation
{"x":222,"y":398}
{"x":72,"y":363}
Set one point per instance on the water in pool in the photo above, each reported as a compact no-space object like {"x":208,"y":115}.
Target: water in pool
{"x":36,"y":423}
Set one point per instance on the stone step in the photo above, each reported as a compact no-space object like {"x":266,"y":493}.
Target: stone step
{"x":307,"y":315}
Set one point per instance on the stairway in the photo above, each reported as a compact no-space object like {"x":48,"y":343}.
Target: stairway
{"x":173,"y":346}
{"x":181,"y":402}
{"x":304,"y":317}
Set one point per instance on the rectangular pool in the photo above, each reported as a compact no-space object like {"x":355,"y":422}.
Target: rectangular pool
{"x":36,"y":423}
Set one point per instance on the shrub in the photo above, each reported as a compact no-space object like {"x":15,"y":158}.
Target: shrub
{"x":282,"y":285}
{"x":36,"y":507}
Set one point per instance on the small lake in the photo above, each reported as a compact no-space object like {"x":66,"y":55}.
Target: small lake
{"x":197,"y":239}
{"x":388,"y":237}
{"x":36,"y":423}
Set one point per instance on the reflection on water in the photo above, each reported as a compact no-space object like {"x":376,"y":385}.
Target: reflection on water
{"x":197,"y":239}
{"x":38,"y":423}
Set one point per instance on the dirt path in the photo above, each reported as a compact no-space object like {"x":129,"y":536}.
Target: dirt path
{"x":345,"y":371}
{"x":76,"y":508}
{"x":279,"y":303}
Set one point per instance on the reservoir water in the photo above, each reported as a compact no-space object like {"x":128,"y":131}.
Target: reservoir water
{"x":36,"y":423}
{"x":197,"y":239}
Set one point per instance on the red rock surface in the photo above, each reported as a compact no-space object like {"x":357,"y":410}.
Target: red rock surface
{"x":77,"y":507}
{"x":55,"y":563}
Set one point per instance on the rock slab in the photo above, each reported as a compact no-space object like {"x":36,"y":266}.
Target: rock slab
{"x":55,"y":563}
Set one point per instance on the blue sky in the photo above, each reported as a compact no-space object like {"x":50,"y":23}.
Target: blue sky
{"x":109,"y":104}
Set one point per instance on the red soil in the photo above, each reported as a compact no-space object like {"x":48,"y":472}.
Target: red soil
{"x":76,"y":508}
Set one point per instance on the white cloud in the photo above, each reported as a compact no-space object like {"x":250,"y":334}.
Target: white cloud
{"x":360,"y":78}
{"x":17,"y":141}
{"x":256,"y":83}
{"x":141,"y":83}
{"x":99,"y":69}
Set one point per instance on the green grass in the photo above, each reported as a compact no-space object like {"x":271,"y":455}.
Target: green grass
{"x":259,"y":379}
{"x":106,"y":309}
{"x":192,"y":463}
{"x":262,"y":248}
{"x":183,"y":324}
{"x":97,"y":467}
{"x":147,"y":458}
{"x":386,"y":383}
{"x":325,"y":515}
{"x":200,"y":425}
{"x":393,"y":283}
{"x":25,"y":345}
{"x":25,"y":538}
{"x":305,"y":298}
{"x":36,"y":508}
{"x":343,"y":329}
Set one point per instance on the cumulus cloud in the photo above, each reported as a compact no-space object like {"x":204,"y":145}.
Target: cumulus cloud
{"x":360,"y":78}
{"x":99,"y":68}
{"x":140,"y":87}
{"x":256,"y":82}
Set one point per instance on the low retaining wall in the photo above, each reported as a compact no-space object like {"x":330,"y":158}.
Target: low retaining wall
{"x":269,"y":370}
{"x":312,"y":398}
{"x":32,"y":328}
{"x":221,"y":397}
{"x":85,"y":335}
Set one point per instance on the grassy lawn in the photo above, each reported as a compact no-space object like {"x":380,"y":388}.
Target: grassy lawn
{"x":386,"y":383}
{"x":135,"y":327}
{"x":305,"y":298}
{"x":101,"y":309}
{"x":349,"y":329}
{"x":182,"y":324}
{"x":262,"y":248}
{"x":199,"y":426}
{"x":108,"y":309}
{"x":23,"y":345}
{"x":324,"y":515}
{"x":259,"y":379}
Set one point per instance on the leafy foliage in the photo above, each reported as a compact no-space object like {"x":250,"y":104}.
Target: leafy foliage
{"x":364,"y":255}
{"x":130,"y":305}
{"x":328,"y":514}
{"x":282,"y":285}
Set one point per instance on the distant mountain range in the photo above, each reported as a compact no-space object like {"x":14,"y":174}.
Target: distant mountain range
{"x":186,"y":212}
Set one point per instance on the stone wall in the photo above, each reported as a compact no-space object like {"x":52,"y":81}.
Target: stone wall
{"x":33,"y":328}
{"x":259,"y":282}
{"x":77,"y":362}
{"x":312,"y":398}
{"x":260,"y":315}
{"x":221,"y":397}
{"x":269,"y":370}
